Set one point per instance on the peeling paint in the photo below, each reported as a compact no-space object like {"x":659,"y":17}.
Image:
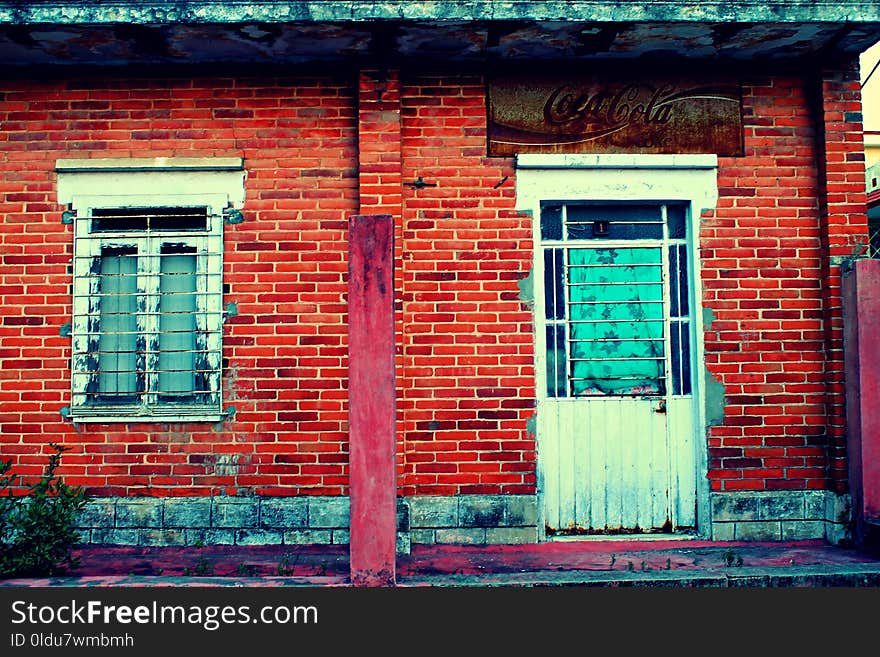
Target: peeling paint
{"x":714,"y":391}
{"x":532,"y":425}
{"x":713,"y":387}
{"x":129,"y":32}
{"x":526,"y":287}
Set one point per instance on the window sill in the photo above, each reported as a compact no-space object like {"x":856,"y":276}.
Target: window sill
{"x":109,"y":418}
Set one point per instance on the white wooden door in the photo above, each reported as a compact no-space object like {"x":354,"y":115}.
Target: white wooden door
{"x":616,"y":407}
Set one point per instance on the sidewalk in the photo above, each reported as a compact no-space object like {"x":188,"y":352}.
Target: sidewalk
{"x":605,"y":563}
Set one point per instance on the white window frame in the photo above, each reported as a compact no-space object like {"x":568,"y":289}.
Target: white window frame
{"x":215,"y":184}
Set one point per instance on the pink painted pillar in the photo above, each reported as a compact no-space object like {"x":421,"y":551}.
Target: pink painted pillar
{"x":861,"y":291}
{"x":371,"y":399}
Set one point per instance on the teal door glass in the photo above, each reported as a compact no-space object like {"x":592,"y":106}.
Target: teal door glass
{"x":616,"y":321}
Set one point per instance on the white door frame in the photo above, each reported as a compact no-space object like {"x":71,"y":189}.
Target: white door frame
{"x":658,"y":178}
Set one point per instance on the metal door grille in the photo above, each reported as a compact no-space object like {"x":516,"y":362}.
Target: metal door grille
{"x":616,"y":308}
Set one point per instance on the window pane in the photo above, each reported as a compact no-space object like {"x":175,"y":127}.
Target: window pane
{"x":675,"y":218}
{"x":178,"y":360}
{"x":554,"y":275}
{"x":551,"y":222}
{"x":615,"y":302}
{"x":142,"y":219}
{"x":117,"y":338}
{"x":683,"y":281}
{"x":621,"y":222}
{"x":557,"y":379}
{"x":675,"y":356}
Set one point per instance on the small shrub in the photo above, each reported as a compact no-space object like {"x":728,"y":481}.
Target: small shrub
{"x":38,"y":530}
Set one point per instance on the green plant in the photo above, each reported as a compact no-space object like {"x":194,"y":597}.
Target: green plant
{"x":732,"y":559}
{"x":38,"y":530}
{"x":246,"y":569}
{"x":285,"y":568}
{"x":203,"y":567}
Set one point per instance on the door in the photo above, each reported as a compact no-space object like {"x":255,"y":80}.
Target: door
{"x":616,"y":404}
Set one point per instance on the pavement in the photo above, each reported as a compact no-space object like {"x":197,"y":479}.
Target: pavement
{"x":570,"y":563}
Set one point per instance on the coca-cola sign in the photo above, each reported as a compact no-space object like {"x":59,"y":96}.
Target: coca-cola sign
{"x":589,"y":115}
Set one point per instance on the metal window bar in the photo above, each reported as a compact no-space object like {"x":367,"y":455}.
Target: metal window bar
{"x":147,"y":312}
{"x":674,"y":334}
{"x":874,"y":237}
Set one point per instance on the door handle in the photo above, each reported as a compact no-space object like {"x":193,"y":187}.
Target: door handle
{"x":661,"y":407}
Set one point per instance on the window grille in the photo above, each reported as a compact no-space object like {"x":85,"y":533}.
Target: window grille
{"x":147,"y":323}
{"x":874,"y":233}
{"x":616,"y":299}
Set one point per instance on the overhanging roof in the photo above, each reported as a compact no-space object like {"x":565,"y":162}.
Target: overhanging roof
{"x":118,"y":33}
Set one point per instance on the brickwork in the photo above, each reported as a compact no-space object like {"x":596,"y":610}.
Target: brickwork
{"x":284,"y":352}
{"x":770,"y":297}
{"x":216,"y":520}
{"x":475,"y":519}
{"x":781,"y":515}
{"x":844,"y":225}
{"x":468,"y":336}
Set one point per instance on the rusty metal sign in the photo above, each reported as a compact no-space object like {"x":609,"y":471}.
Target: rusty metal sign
{"x":596,"y":115}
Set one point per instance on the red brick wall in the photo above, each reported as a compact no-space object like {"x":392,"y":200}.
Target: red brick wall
{"x":465,"y":373}
{"x":468,"y":340}
{"x":285,"y":352}
{"x":775,"y":340}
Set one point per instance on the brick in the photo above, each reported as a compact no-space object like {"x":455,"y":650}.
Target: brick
{"x":802,"y":530}
{"x":433,"y":512}
{"x":758,"y":531}
{"x":734,"y":507}
{"x":308,"y":537}
{"x":257,"y":537}
{"x":723,"y":531}
{"x":423,"y":536}
{"x":187,"y":513}
{"x":478,"y":511}
{"x":781,"y":506}
{"x":98,"y":513}
{"x":115,"y":536}
{"x":838,"y":508}
{"x":328,"y":512}
{"x":234,"y":513}
{"x":470,"y":536}
{"x":161,"y":537}
{"x":209,"y":536}
{"x":146,"y":513}
{"x":284,"y":513}
{"x":521,"y":510}
{"x":814,"y":505}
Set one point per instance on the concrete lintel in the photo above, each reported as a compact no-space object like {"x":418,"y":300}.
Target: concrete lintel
{"x":617,"y":161}
{"x":352,"y":11}
{"x":85,"y":165}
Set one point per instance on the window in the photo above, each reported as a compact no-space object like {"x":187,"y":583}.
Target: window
{"x":147,"y":298}
{"x":616,"y":299}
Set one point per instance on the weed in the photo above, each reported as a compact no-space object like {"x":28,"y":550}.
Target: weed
{"x":203,"y":567}
{"x":246,"y":569}
{"x":732,"y":559}
{"x":285,"y":568}
{"x":38,"y":530}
